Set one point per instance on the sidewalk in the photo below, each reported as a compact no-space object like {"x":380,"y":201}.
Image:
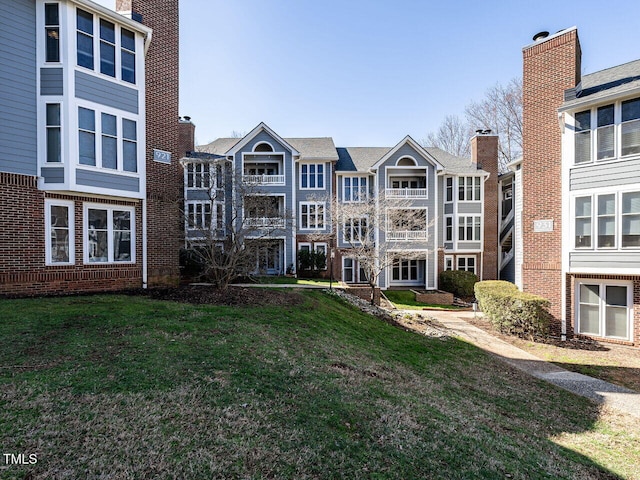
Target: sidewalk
{"x":620,"y":398}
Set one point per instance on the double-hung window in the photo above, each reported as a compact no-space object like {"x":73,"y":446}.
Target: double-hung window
{"x":607,"y":221}
{"x":128,"y":55}
{"x":631,"y":220}
{"x":199,"y":216}
{"x":468,"y":264}
{"x":311,"y":216}
{"x":448,"y":228}
{"x":605,"y":135}
{"x":198,"y":175}
{"x":107,"y":48}
{"x":114,"y":143}
{"x":469,"y":188}
{"x":84,"y":39}
{"x":59,"y":243}
{"x":583,"y":221}
{"x":52,"y":32}
{"x":406,"y":270}
{"x":582,"y":139}
{"x":469,"y":228}
{"x":109,"y":234}
{"x":449,"y":190}
{"x":87,"y":136}
{"x":312,"y":176}
{"x":54,"y":147}
{"x":355,"y":189}
{"x":604,"y":309}
{"x":355,"y":230}
{"x":630,"y":127}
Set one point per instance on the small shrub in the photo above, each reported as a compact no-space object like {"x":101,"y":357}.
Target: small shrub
{"x":458,"y":282}
{"x":512,"y":311}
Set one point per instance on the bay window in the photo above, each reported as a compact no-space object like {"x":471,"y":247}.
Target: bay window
{"x":52,"y":32}
{"x":53,"y":133}
{"x":605,"y":133}
{"x":631,"y":219}
{"x":84,"y":39}
{"x":311,"y":216}
{"x":582,"y":139}
{"x":355,"y":189}
{"x":583,"y":223}
{"x":59,"y":243}
{"x":312,"y":176}
{"x":631,"y":127}
{"x":469,"y":228}
{"x":606,"y":221}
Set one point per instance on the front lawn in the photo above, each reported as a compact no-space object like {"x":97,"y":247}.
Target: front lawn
{"x":131,"y":387}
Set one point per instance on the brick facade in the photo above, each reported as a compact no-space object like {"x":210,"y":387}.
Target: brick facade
{"x":550,"y":66}
{"x":164,"y":181}
{"x":23,"y":271}
{"x":484,"y":153}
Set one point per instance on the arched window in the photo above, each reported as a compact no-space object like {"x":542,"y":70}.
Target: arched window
{"x":263,"y":147}
{"x":406,"y":162}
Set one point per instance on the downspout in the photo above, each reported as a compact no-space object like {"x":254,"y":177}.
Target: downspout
{"x":144,"y":242}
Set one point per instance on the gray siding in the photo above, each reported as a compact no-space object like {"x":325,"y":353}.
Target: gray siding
{"x":608,"y":174}
{"x":107,"y":180}
{"x":470,"y":207}
{"x":52,"y":174}
{"x":18,"y":117}
{"x":198,"y":195}
{"x":468,"y":246}
{"x":51,"y":81}
{"x":105,"y":92}
{"x":630,"y":260}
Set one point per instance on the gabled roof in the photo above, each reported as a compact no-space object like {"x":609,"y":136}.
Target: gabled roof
{"x":262,"y":127}
{"x":605,"y":83}
{"x":451,"y":164}
{"x":321,"y":148}
{"x":412,"y":143}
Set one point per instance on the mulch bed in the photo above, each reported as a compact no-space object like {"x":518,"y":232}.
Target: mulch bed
{"x":232,"y":296}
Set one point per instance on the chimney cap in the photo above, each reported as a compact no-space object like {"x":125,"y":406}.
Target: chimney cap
{"x":187,"y":118}
{"x":540,"y":36}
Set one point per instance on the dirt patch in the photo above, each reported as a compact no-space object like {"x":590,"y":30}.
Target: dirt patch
{"x":232,"y":296}
{"x":617,"y":364}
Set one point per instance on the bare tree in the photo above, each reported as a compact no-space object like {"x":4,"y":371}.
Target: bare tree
{"x":230,"y":239}
{"x":452,"y":136}
{"x":500,"y":111}
{"x":362,"y":224}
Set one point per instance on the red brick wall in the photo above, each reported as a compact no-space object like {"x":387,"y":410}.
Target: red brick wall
{"x":22,"y":246}
{"x":484,"y":152}
{"x":550,"y":67}
{"x":164,"y":181}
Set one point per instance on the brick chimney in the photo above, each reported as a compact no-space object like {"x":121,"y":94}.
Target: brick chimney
{"x":550,"y":66}
{"x":186,"y":136}
{"x":484,"y":153}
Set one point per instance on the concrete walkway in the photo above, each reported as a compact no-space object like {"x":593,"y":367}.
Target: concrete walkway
{"x":620,"y":398}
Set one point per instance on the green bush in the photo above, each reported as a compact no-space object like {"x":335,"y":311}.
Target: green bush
{"x":512,"y":311}
{"x":458,"y":282}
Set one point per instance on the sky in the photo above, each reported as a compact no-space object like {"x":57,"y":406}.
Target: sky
{"x":370,"y":72}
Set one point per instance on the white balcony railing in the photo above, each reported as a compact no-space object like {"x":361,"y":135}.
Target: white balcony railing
{"x":272,"y":222}
{"x":407,"y":235}
{"x":264,"y":179}
{"x":406,"y":192}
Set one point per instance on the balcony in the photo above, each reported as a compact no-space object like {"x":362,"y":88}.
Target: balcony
{"x":406,"y":192}
{"x":265,"y":222}
{"x":263,"y":179}
{"x":407,"y":235}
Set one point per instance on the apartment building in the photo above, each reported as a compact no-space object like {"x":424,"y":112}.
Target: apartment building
{"x":77,"y":169}
{"x":452,"y":203}
{"x":581,"y":190}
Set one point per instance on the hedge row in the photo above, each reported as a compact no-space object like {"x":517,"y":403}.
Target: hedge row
{"x":512,"y":311}
{"x":458,"y":282}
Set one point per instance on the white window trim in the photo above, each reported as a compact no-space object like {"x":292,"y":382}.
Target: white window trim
{"x":85,"y":232}
{"x":326,"y":253}
{"x":352,"y":229}
{"x":324,"y":215}
{"x":453,"y":228}
{"x":602,"y":283}
{"x":304,"y":244}
{"x":120,"y":115}
{"x":360,"y":179}
{"x":48,"y":203}
{"x":594,"y":221}
{"x":189,"y":226}
{"x":463,"y":238}
{"x":317,"y":175}
{"x":617,"y":134}
{"x":456,"y":194}
{"x":448,"y":259}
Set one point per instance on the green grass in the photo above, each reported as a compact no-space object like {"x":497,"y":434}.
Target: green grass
{"x":129,"y":387}
{"x":405,"y":300}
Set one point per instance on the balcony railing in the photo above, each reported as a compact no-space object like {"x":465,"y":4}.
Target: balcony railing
{"x":408,"y":235}
{"x":262,"y":222}
{"x":264,"y":179}
{"x":406,"y":192}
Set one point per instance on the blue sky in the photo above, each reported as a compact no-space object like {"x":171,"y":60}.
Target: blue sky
{"x":367,"y":73}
